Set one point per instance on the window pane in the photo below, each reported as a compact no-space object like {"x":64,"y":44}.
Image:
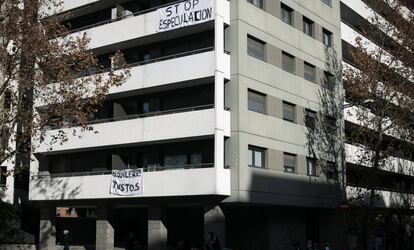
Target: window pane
{"x":288,"y":62}
{"x":289,"y":160}
{"x":258,"y":159}
{"x":256,"y":102}
{"x":175,"y":160}
{"x":257,"y":3}
{"x":286,"y":14}
{"x":310,"y":72}
{"x":195,"y":159}
{"x":327,"y":38}
{"x":311,"y":167}
{"x":310,"y":118}
{"x":250,"y":160}
{"x":255,"y":48}
{"x":307,"y":27}
{"x":289,"y":112}
{"x":3,"y":177}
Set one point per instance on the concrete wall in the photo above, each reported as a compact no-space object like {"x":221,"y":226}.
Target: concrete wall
{"x":182,"y":182}
{"x":270,"y":131}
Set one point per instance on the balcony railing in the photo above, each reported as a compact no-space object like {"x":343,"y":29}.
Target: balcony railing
{"x":138,"y":13}
{"x":150,"y":168}
{"x":158,"y":59}
{"x":137,"y":116}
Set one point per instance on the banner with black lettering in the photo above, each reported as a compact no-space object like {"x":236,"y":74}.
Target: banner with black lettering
{"x":184,"y":14}
{"x":127,"y":182}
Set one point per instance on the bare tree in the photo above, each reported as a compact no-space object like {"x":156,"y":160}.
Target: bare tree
{"x":378,"y":84}
{"x":48,"y":77}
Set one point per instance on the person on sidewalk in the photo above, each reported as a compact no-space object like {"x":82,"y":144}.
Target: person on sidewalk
{"x":212,"y":242}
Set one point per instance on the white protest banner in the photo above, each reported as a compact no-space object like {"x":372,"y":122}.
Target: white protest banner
{"x":184,"y":14}
{"x":127,"y":182}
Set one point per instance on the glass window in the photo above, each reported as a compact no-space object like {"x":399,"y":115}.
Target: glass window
{"x":255,"y":48}
{"x":195,"y":159}
{"x":329,"y":81}
{"x":310,"y":118}
{"x":175,"y":160}
{"x":256,"y":101}
{"x":331,"y":171}
{"x":327,"y":38}
{"x":288,"y":62}
{"x":257,"y":3}
{"x":310,"y":72}
{"x":3,"y":176}
{"x":311,"y":164}
{"x":307,"y":26}
{"x":289,"y":162}
{"x":286,"y":14}
{"x":289,"y":112}
{"x":328,"y":2}
{"x":256,"y":157}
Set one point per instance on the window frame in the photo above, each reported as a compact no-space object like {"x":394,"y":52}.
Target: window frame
{"x":327,"y":2}
{"x":261,"y":3}
{"x":258,"y":41}
{"x":314,"y":167}
{"x":286,"y":9}
{"x":3,"y":176}
{"x":314,"y":118}
{"x":286,"y":167}
{"x":285,"y":104}
{"x":292,"y":58}
{"x":308,"y":25}
{"x":311,"y":78}
{"x":328,"y":34}
{"x":332,"y":173}
{"x":251,"y":91}
{"x":252,"y":150}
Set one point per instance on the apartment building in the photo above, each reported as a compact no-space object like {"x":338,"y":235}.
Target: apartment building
{"x":394,"y":180}
{"x":221,"y":97}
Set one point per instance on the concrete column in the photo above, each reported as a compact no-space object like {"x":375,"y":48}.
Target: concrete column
{"x":214,"y":221}
{"x":157,"y":228}
{"x":47,"y":230}
{"x":104,"y":230}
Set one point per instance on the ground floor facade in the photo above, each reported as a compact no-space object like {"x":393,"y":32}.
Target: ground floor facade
{"x":186,"y":225}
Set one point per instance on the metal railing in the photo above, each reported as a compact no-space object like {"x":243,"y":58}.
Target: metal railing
{"x":137,"y":116}
{"x":150,"y":168}
{"x":158,"y":59}
{"x":138,"y":13}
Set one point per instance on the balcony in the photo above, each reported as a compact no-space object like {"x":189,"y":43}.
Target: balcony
{"x":137,"y":25}
{"x":177,"y":182}
{"x":165,"y":125}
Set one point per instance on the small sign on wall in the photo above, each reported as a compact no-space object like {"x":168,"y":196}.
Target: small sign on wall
{"x":127,"y":182}
{"x":184,"y":14}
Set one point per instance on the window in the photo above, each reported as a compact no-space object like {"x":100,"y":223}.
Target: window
{"x":256,"y":101}
{"x":286,"y":14}
{"x":289,"y":162}
{"x":331,"y":171}
{"x":310,"y":72}
{"x":327,"y":38}
{"x":256,"y":157}
{"x":310,"y":118}
{"x":328,"y":2}
{"x":289,"y":112}
{"x":256,"y":48}
{"x":307,"y":26}
{"x":329,"y":81}
{"x":3,"y":176}
{"x":331,"y":122}
{"x":288,"y":62}
{"x":311,"y":165}
{"x":257,"y":3}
